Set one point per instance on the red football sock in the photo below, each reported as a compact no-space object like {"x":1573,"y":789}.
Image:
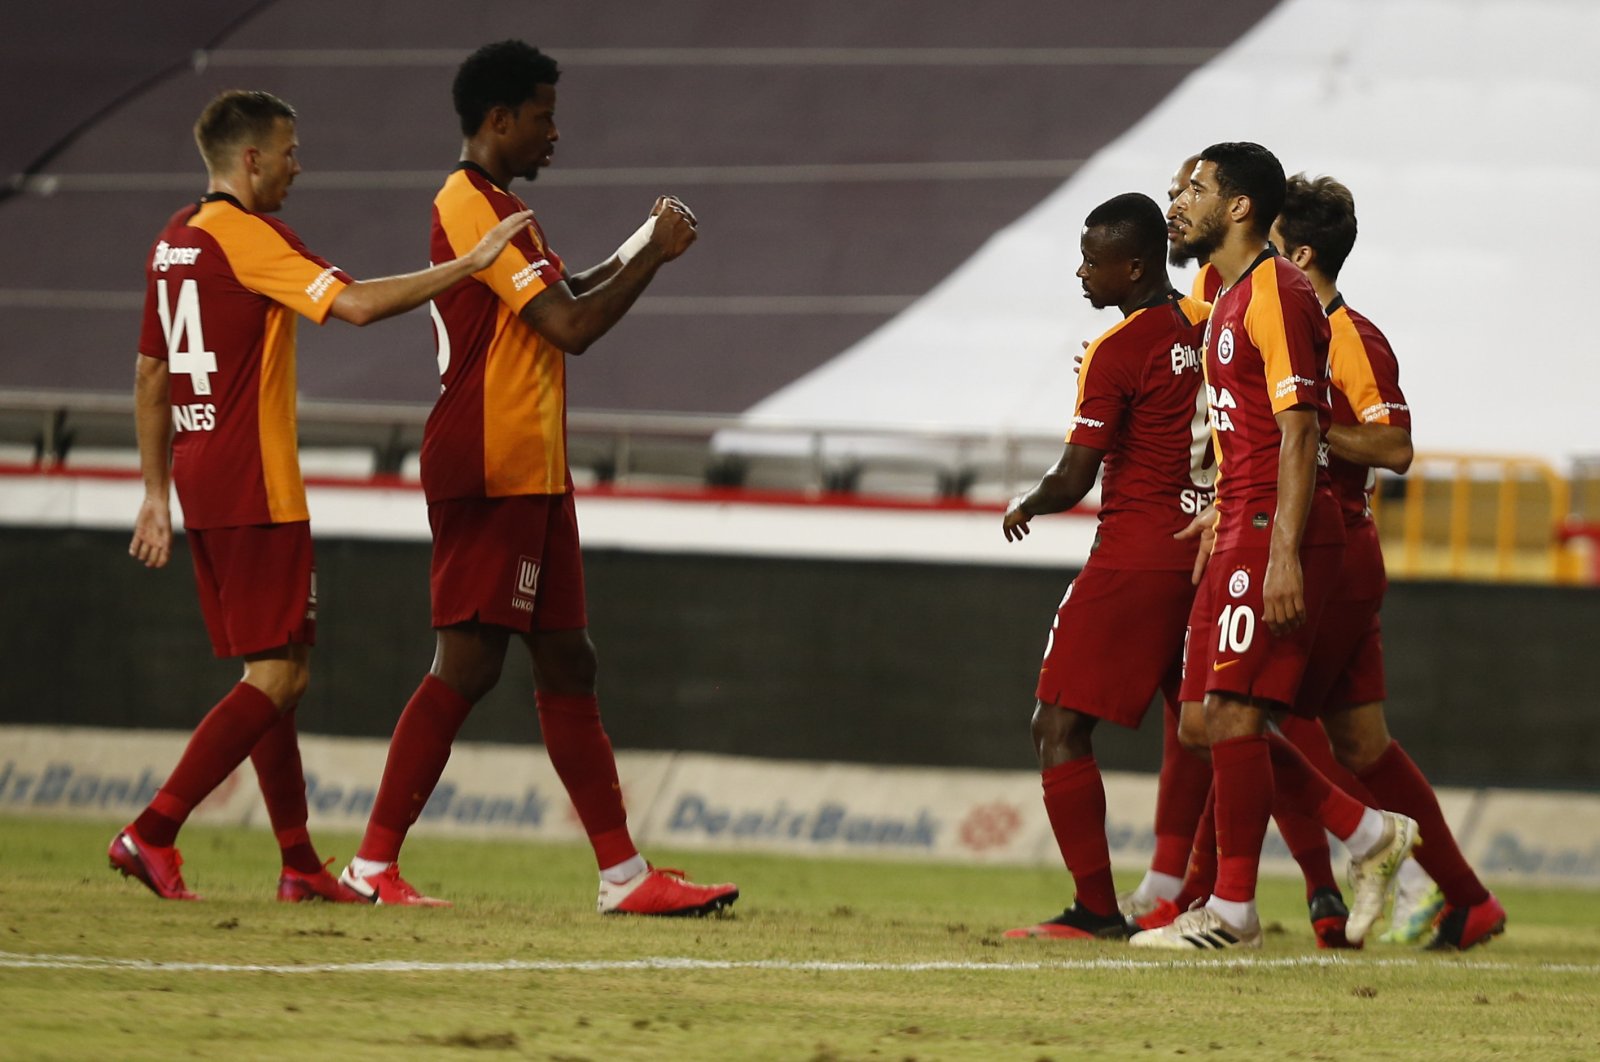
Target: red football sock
{"x":1243,"y":782}
{"x":276,"y":759}
{"x":1075,"y":801}
{"x":1180,"y":797}
{"x":1399,"y":784}
{"x":581,"y":754}
{"x":219,"y":744}
{"x":1308,"y":843}
{"x":1312,"y":741}
{"x":1304,"y":789}
{"x":1201,"y":875}
{"x":418,"y":753}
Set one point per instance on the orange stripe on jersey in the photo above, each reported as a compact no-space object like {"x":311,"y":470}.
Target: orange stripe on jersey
{"x":520,"y":392}
{"x":467,"y":215}
{"x":1351,"y":368}
{"x":1088,"y":359}
{"x":276,"y":422}
{"x":524,"y":374}
{"x":1216,"y":440}
{"x":265,"y":263}
{"x":1264,"y":321}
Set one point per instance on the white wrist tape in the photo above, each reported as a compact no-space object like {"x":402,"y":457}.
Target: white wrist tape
{"x":635,"y":243}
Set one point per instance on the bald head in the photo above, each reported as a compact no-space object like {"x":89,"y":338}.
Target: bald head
{"x":1176,"y":255}
{"x":1180,"y":179}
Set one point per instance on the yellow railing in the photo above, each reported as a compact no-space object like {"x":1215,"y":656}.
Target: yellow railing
{"x":1476,"y":516}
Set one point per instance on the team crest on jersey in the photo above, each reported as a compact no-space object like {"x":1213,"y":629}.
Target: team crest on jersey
{"x":1238,"y":583}
{"x":527,"y":584}
{"x":1225,"y":346}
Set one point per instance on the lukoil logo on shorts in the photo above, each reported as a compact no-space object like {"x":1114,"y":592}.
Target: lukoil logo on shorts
{"x":527,"y":584}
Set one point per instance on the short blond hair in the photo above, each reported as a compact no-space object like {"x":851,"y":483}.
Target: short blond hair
{"x":236,"y":117}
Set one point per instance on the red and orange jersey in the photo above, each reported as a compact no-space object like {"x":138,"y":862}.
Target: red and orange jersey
{"x":222,"y":289}
{"x":1266,"y":351}
{"x":1207,"y":284}
{"x":1140,"y":401}
{"x":499,"y":428}
{"x":1366,"y":390}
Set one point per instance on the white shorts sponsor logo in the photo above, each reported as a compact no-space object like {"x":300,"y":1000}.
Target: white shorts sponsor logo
{"x":527,"y":584}
{"x":528,"y":274}
{"x":319,"y":287}
{"x":168,"y":256}
{"x":1238,"y":583}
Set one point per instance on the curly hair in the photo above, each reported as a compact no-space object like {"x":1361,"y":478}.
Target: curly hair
{"x":506,"y":73}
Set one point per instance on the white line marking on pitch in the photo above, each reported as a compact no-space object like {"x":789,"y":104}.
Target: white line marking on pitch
{"x":10,"y":960}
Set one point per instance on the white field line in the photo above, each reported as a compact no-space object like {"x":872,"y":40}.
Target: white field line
{"x":12,"y":961}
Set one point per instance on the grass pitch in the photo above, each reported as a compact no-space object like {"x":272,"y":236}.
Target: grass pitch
{"x":823,"y":960}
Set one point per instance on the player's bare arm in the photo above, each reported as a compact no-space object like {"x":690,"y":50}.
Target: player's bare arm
{"x":152,"y":528}
{"x":367,"y":301}
{"x":1283,"y":589}
{"x":599,"y":274}
{"x":1058,"y":490}
{"x":1386,"y":446}
{"x":574,"y":320}
{"x":1204,"y":529}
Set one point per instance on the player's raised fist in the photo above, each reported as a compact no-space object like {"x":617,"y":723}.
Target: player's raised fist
{"x":675,"y":228}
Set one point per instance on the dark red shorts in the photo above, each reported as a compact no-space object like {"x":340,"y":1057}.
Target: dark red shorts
{"x":1117,"y":638}
{"x":513,"y":562}
{"x":258,"y":586}
{"x":1346,"y":667}
{"x":1230,"y":650}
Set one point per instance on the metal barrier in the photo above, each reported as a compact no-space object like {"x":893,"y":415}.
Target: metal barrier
{"x":1460,"y":516}
{"x":610,"y":446}
{"x":1476,"y":516}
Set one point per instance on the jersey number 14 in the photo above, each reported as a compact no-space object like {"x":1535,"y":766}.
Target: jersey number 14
{"x":186,"y":339}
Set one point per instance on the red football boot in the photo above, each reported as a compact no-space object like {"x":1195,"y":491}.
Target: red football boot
{"x":387,"y":887}
{"x":158,"y":868}
{"x":1461,"y":928}
{"x":294,"y":886}
{"x":663,"y":892}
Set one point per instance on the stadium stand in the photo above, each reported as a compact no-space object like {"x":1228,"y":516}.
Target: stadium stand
{"x":842,"y":157}
{"x":1443,"y":117}
{"x":898,"y":182}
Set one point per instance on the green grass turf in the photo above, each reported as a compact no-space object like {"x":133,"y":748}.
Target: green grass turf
{"x":1532,"y":994}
